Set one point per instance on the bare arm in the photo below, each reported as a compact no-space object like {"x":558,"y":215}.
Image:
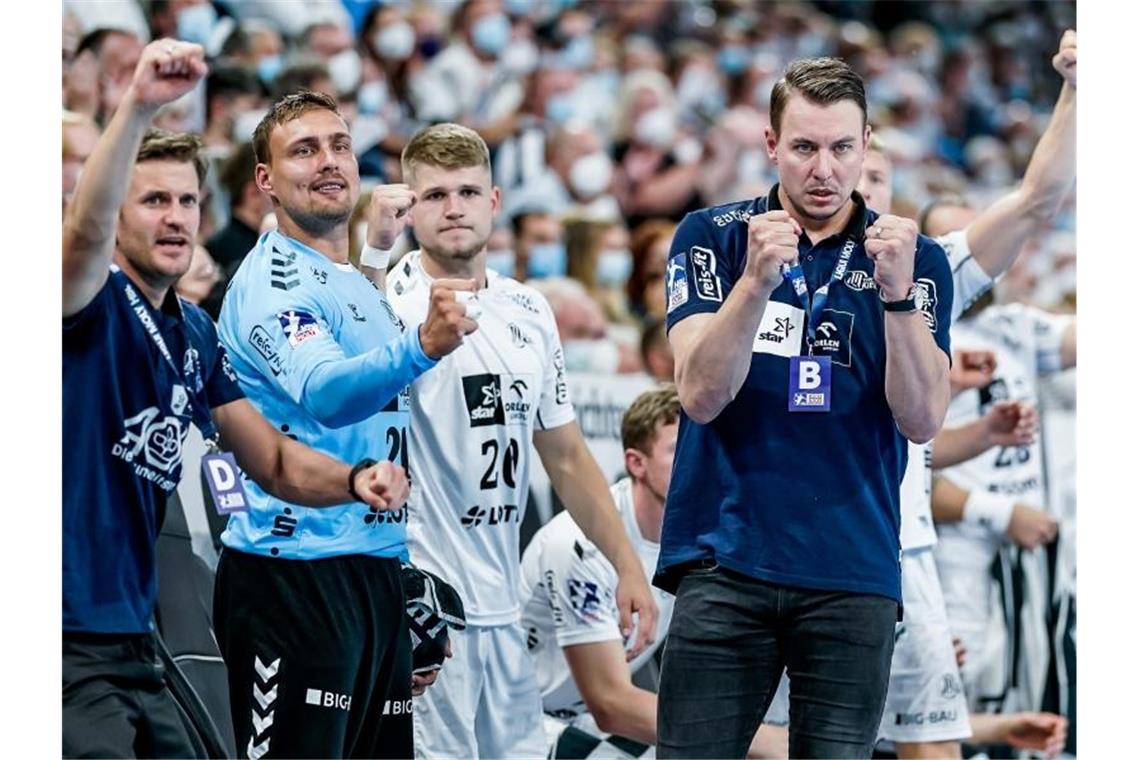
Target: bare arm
{"x":947,"y":501}
{"x":581,"y":486}
{"x":166,"y":70}
{"x":918,"y":376}
{"x":1041,"y":731}
{"x":997,"y":235}
{"x":1006,"y":423}
{"x":1069,"y":346}
{"x":296,"y":473}
{"x":602,"y":676}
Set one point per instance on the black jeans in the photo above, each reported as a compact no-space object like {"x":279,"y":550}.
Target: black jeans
{"x":115,"y":702}
{"x":730,"y":638}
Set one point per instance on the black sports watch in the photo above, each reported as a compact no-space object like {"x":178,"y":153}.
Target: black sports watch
{"x":904,"y":306}
{"x":360,"y":466}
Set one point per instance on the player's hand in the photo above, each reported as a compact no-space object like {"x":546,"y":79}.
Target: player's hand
{"x":1041,"y":731}
{"x":1030,"y":528}
{"x":892,"y":243}
{"x":1065,"y":62}
{"x":383,"y":486}
{"x":448,"y":319}
{"x":388,"y":214}
{"x":421,"y":681}
{"x":1010,"y":423}
{"x":633,"y":595}
{"x":971,"y":369}
{"x":773,"y":241}
{"x":167,"y":70}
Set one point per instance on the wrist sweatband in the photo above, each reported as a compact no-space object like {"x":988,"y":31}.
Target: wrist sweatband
{"x":988,"y":510}
{"x":375,"y":257}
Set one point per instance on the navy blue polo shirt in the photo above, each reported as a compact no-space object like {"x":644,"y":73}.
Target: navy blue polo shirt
{"x":126,"y":412}
{"x":809,"y":500}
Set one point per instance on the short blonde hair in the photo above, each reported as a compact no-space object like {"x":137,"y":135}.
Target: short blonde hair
{"x":446,"y":146}
{"x":649,"y":411}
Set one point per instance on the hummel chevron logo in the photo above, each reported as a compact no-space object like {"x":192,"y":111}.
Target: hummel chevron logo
{"x":255,"y":753}
{"x":264,"y":699}
{"x":260,"y":724}
{"x":266,"y":672}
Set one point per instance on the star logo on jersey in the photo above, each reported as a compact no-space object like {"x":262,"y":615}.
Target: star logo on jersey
{"x":784,"y":327}
{"x":484,"y":400}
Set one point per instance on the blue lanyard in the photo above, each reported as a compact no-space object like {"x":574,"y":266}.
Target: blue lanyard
{"x":138,"y":306}
{"x":814,"y":303}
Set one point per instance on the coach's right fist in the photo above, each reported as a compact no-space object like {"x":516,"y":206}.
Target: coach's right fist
{"x":167,"y":70}
{"x":447,"y":321}
{"x":773,"y":240}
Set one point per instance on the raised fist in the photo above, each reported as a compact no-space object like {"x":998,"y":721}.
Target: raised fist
{"x":167,"y":70}
{"x":892,"y":242}
{"x":388,"y":214}
{"x":773,"y":241}
{"x":448,"y":317}
{"x":1065,"y":62}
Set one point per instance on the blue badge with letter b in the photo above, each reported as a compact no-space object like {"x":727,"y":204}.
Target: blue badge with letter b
{"x":809,"y":384}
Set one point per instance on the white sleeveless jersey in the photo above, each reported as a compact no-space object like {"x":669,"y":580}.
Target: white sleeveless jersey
{"x":917,"y":525}
{"x":568,"y":591}
{"x":1026,"y":343}
{"x":470,"y":456}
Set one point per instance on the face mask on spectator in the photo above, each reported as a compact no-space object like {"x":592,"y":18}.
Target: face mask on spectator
{"x":614,"y":267}
{"x":502,"y":261}
{"x":578,"y":53}
{"x":520,"y":57}
{"x":371,"y":97}
{"x":656,"y":128}
{"x":560,"y":108}
{"x":695,"y":84}
{"x":546,"y":260}
{"x":344,"y":70}
{"x":591,"y":174}
{"x":395,"y":42}
{"x":599,"y":356}
{"x":245,"y":122}
{"x":732,"y":59}
{"x":491,"y":34}
{"x":268,"y":67}
{"x":196,"y":22}
{"x":517,"y":8}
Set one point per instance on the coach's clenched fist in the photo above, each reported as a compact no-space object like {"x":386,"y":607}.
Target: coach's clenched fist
{"x":773,"y":240}
{"x":891,"y":243}
{"x":447,"y":321}
{"x":388,"y":214}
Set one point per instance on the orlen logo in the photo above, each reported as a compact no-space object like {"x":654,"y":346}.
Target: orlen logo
{"x":484,"y":400}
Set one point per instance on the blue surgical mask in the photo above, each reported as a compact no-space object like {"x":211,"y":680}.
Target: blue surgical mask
{"x":614,"y":267}
{"x":560,"y":108}
{"x":196,"y":23}
{"x":371,"y":97}
{"x":518,"y":7}
{"x":491,"y":33}
{"x":502,"y":261}
{"x":578,"y":53}
{"x":546,"y":260}
{"x":732,"y":59}
{"x":268,"y":67}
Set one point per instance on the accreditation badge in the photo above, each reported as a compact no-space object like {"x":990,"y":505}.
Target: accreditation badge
{"x":809,"y":384}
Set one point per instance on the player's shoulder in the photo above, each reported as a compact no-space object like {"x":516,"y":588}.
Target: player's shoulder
{"x":563,"y":547}
{"x":405,"y":282}
{"x":521,"y":300}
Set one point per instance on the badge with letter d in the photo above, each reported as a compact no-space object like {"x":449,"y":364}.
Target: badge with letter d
{"x":809,"y":384}
{"x":224,"y":477}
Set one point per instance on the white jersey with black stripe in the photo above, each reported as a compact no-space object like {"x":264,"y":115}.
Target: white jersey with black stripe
{"x":475,"y":414}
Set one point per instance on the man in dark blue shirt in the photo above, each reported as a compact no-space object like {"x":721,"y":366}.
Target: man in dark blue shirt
{"x":139,"y":367}
{"x":811,"y":341}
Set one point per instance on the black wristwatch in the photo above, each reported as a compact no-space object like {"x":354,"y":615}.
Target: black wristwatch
{"x":363,"y":464}
{"x":904,"y":306}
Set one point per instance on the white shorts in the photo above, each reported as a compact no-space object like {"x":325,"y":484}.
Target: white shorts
{"x":588,"y":741}
{"x":925,"y":702}
{"x":485,"y":703}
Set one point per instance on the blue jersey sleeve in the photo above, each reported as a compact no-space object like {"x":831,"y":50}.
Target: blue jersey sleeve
{"x":934,"y":290}
{"x":290,"y":336}
{"x":700,"y":273}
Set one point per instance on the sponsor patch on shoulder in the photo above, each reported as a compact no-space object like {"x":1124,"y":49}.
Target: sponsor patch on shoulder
{"x":299,"y":326}
{"x":678,"y":280}
{"x":705,"y":281}
{"x":926,"y":299}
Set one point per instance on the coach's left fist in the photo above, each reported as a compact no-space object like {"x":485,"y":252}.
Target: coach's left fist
{"x":891,"y":243}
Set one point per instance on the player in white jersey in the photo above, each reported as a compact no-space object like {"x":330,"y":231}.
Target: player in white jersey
{"x":473,"y":422}
{"x":925,"y":713}
{"x":593,"y":708}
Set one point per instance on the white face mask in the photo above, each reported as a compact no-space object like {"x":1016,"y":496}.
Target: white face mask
{"x":599,"y":356}
{"x":614,"y":267}
{"x":590,"y":175}
{"x":395,"y":42}
{"x":656,"y":128}
{"x":344,"y":70}
{"x":520,"y":57}
{"x":502,"y":261}
{"x":245,"y":123}
{"x":371,"y":97}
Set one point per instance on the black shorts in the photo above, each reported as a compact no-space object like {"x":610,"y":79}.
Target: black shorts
{"x":318,"y":654}
{"x":115,"y":701}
